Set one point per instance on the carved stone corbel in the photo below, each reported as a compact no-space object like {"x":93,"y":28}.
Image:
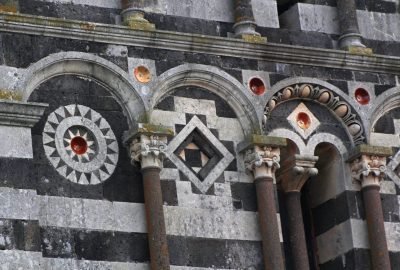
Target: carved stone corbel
{"x":295,"y":171}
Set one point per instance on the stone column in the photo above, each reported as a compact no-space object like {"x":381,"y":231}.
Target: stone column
{"x":293,"y":175}
{"x":245,"y":24}
{"x":350,"y":38}
{"x":368,"y":165}
{"x":262,"y":156}
{"x":147,"y":147}
{"x":133,"y":14}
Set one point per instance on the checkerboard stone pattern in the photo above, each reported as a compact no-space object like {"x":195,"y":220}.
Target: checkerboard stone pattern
{"x":203,"y":151}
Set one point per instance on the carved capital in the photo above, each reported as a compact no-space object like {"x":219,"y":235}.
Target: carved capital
{"x":263,"y":161}
{"x":295,"y":172}
{"x":149,"y":151}
{"x":369,"y":169}
{"x":368,"y":164}
{"x":147,"y":144}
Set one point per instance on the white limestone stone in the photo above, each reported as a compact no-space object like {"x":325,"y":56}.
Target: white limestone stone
{"x":229,"y":129}
{"x":169,"y":174}
{"x":96,"y":3}
{"x":238,"y":177}
{"x":167,"y":118}
{"x":19,"y":260}
{"x":387,"y":140}
{"x":208,"y":223}
{"x":320,"y":18}
{"x":188,"y":199}
{"x":92,"y":214}
{"x":388,"y":187}
{"x":16,"y":142}
{"x":342,"y":238}
{"x":18,"y":204}
{"x":195,"y":106}
{"x":9,"y":77}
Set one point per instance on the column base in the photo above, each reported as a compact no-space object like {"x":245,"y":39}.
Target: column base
{"x":253,"y":38}
{"x":359,"y":50}
{"x":134,"y":19}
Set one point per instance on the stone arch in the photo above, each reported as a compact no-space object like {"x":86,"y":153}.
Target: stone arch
{"x":215,"y":81}
{"x":384,"y":103}
{"x":324,"y":94}
{"x":292,"y":136}
{"x":83,"y":64}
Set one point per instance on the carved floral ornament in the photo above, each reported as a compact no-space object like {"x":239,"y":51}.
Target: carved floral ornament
{"x":323,"y":96}
{"x":148,"y":146}
{"x":369,"y":165}
{"x":262,"y":155}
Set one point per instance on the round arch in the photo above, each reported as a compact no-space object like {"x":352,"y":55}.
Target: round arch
{"x":385,"y":102}
{"x":91,"y":66}
{"x":215,"y":81}
{"x":323,"y":93}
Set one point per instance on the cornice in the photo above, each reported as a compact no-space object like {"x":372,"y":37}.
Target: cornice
{"x":122,"y":35}
{"x":21,"y":114}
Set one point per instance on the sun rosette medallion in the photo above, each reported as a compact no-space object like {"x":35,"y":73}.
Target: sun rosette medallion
{"x":80,"y":144}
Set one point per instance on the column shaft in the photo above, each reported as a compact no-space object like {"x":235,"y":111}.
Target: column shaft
{"x":347,"y":12}
{"x":245,"y":23}
{"x":349,"y":30}
{"x":158,"y":246}
{"x":296,"y":230}
{"x":139,"y":4}
{"x":376,"y":228}
{"x":272,"y":250}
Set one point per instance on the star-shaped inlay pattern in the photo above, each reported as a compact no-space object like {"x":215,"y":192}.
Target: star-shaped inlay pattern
{"x":199,"y":155}
{"x":80,"y":144}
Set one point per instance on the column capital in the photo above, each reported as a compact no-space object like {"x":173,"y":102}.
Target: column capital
{"x":262,"y":155}
{"x":147,"y":144}
{"x":295,"y":171}
{"x":368,"y":164}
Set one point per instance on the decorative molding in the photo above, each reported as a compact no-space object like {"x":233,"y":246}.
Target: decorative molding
{"x":21,"y":114}
{"x":325,"y":97}
{"x":114,"y":34}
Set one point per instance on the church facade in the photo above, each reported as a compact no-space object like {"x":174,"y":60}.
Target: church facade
{"x":193,"y":135}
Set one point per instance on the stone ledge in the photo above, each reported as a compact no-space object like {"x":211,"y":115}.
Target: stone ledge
{"x":122,"y":35}
{"x":20,"y":114}
{"x":261,"y":140}
{"x":148,"y":129}
{"x":365,"y":149}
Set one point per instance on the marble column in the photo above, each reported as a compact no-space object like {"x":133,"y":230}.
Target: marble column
{"x":133,"y":13}
{"x":350,"y":38}
{"x":294,"y":173}
{"x":262,"y":156}
{"x":368,"y":165}
{"x":147,"y":148}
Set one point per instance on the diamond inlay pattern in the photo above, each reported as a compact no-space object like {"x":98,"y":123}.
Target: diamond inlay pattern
{"x":199,"y":154}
